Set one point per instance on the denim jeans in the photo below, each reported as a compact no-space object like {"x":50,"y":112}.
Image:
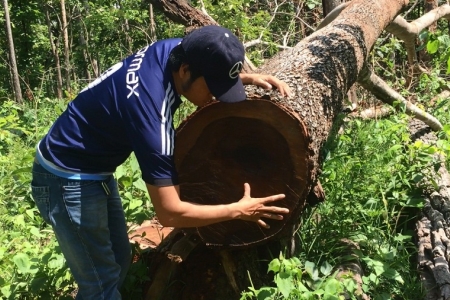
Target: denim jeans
{"x":89,"y":223}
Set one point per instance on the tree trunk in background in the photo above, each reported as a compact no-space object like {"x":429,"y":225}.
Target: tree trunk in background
{"x":66,"y":44}
{"x":12,"y":55}
{"x":91,"y":61}
{"x":54,"y":47}
{"x":152,"y":27}
{"x":125,"y":30}
{"x":181,"y":12}
{"x":270,"y":141}
{"x":83,"y":39}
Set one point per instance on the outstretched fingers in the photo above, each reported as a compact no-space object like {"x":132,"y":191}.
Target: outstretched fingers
{"x":247,"y":190}
{"x":272,"y":216}
{"x":263,"y":224}
{"x":257,"y":209}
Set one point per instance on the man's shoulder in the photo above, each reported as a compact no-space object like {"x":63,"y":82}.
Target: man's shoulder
{"x":164,"y":47}
{"x":170,"y":42}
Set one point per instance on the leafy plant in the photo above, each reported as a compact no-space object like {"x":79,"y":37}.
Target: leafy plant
{"x":294,"y":280}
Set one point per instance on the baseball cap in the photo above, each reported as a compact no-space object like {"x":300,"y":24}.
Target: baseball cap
{"x":219,"y":55}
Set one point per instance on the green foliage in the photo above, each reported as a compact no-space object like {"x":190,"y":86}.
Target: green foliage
{"x":373,"y":174}
{"x":10,"y":126}
{"x":133,"y":191}
{"x":373,"y":177}
{"x":303,"y":281}
{"x":439,"y":44}
{"x":32,"y":264}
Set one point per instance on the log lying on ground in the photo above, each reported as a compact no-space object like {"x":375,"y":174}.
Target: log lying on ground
{"x":407,"y":32}
{"x":271,"y":142}
{"x":277,"y":150}
{"x":433,"y":227}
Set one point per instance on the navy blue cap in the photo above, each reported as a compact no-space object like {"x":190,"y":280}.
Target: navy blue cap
{"x":219,"y":55}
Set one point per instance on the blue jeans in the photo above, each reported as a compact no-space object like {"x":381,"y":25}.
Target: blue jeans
{"x":89,"y":223}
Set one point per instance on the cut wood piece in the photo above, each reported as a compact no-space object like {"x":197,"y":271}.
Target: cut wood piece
{"x":149,"y":234}
{"x":223,"y":146}
{"x":182,"y":248}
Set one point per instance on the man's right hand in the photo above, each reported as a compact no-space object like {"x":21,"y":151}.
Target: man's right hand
{"x":253,"y":209}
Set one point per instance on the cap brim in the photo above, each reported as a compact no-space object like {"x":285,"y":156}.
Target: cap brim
{"x":229,"y":93}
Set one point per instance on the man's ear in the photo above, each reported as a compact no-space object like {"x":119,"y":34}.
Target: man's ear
{"x":184,"y":71}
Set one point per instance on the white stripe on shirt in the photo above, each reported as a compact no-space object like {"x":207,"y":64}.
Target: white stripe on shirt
{"x":167,"y":132}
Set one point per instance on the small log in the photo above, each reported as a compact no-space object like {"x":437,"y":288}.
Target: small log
{"x":351,"y":267}
{"x":433,"y":228}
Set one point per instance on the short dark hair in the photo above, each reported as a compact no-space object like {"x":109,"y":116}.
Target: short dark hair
{"x":178,"y":57}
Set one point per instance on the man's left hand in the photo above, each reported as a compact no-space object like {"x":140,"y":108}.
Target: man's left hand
{"x":267,"y":82}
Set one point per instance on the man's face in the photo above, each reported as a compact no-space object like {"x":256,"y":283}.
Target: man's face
{"x":196,"y":91}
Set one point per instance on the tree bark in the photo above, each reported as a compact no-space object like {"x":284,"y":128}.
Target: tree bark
{"x":270,"y":141}
{"x":181,"y":12}
{"x":433,"y":227}
{"x":12,"y":56}
{"x":66,"y":45}
{"x":54,"y":47}
{"x":329,"y":6}
{"x":152,"y":25}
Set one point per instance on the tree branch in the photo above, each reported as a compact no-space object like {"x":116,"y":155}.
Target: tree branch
{"x":385,"y":93}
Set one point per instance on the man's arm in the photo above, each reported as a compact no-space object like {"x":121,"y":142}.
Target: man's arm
{"x":266,"y":82}
{"x":173,"y":212}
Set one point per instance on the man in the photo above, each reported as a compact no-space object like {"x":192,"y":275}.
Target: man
{"x":129,"y":109}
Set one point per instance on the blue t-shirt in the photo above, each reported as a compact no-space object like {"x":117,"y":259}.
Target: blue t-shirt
{"x":128,"y":108}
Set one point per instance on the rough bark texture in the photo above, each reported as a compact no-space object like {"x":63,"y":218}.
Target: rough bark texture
{"x":322,"y":67}
{"x":220,"y":154}
{"x":64,"y":29}
{"x":54,"y":47}
{"x":433,"y":227}
{"x":181,"y":12}
{"x":12,"y":55}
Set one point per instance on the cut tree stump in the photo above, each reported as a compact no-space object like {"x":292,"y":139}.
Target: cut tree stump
{"x":254,"y":141}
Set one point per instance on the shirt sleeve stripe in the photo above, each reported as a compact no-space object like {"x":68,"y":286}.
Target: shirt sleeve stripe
{"x":167,"y":132}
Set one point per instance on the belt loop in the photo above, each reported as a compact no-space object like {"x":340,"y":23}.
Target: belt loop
{"x":106,"y":188}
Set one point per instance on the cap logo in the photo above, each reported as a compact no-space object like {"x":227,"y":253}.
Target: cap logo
{"x":235,"y":70}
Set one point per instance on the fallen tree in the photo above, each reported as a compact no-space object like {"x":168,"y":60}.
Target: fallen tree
{"x":274,"y":143}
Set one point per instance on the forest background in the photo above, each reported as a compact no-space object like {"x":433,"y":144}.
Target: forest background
{"x":374,"y":173}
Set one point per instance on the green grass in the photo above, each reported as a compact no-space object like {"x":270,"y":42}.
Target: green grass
{"x":372,"y":175}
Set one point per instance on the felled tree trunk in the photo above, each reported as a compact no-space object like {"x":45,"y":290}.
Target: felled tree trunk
{"x":433,"y":226}
{"x":271,"y":142}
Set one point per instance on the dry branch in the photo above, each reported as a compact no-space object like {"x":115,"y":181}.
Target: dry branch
{"x":408,"y":33}
{"x":385,"y":93}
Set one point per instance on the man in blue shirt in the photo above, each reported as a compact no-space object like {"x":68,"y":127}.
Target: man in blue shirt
{"x":129,"y":108}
